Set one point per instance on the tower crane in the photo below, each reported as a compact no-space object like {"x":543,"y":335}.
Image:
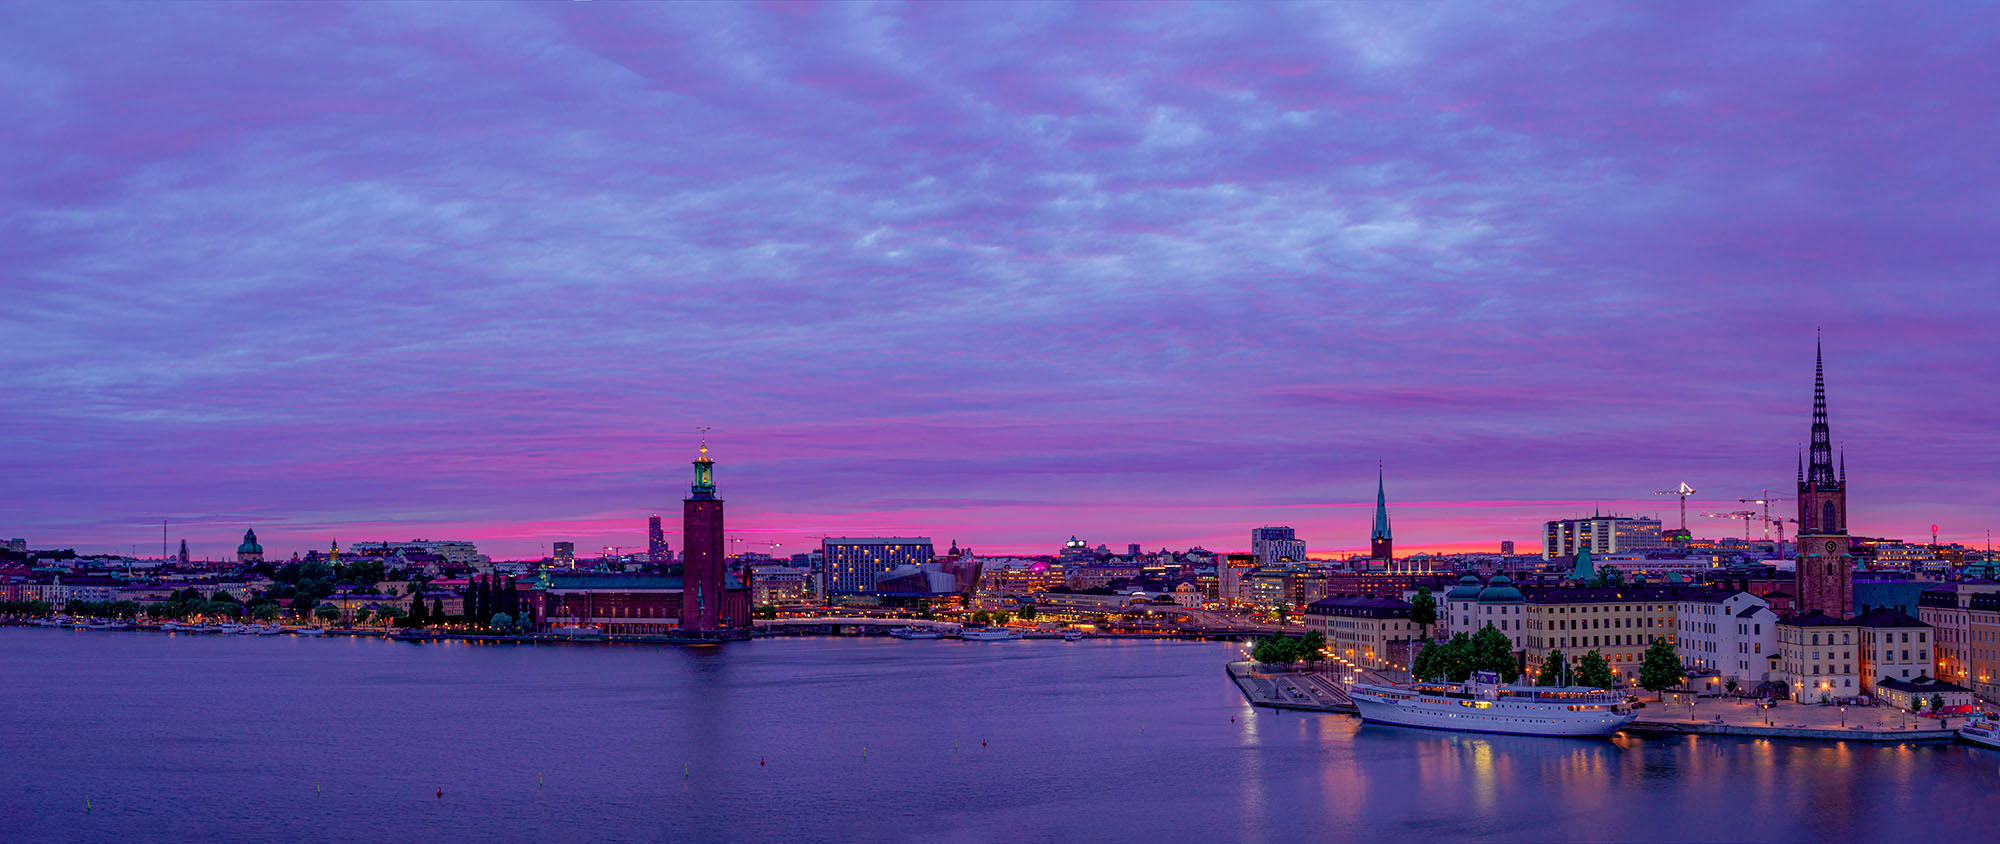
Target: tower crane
{"x":1747,"y":516}
{"x":1683,"y":491}
{"x":1765,"y":498}
{"x":1780,"y":522}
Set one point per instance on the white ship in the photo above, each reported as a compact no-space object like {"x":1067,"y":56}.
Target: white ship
{"x":1485,"y":705}
{"x":916,"y":633}
{"x":989,"y":634}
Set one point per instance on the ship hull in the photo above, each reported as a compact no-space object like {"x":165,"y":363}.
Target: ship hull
{"x":1516,"y":722}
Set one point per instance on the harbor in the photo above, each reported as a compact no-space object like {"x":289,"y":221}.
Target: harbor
{"x":1275,"y":687}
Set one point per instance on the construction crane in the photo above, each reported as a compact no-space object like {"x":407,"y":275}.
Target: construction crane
{"x":1764,"y":499}
{"x":1684,"y":491}
{"x":1781,"y":522}
{"x":1747,"y":516}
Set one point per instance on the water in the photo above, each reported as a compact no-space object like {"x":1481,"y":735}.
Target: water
{"x":286,"y":739}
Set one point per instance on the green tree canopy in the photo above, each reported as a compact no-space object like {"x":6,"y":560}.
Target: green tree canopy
{"x":1937,"y":703}
{"x":1424,"y":666}
{"x":1660,"y":668}
{"x":326,"y":612}
{"x":1312,"y":646}
{"x":982,"y":617}
{"x":1551,"y":673}
{"x":1491,"y":650}
{"x":1455,"y":660}
{"x":1424,"y":610}
{"x":1026,"y":612}
{"x":1593,"y":671}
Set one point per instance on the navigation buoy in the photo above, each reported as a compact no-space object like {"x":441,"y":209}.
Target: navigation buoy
{"x":86,"y":804}
{"x":982,"y":742}
{"x":440,"y":794}
{"x":760,"y":763}
{"x":538,"y":779}
{"x":684,"y":770}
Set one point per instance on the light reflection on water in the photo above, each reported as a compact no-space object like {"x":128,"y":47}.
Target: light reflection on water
{"x":182,"y":738}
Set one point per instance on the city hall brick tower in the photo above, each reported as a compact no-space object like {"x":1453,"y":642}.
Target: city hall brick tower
{"x":1825,"y":568}
{"x":702,"y":608}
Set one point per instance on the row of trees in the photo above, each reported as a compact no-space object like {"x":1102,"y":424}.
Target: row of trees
{"x":1592,"y":670}
{"x":1286,"y":650}
{"x":1456,"y":660}
{"x":25,"y":608}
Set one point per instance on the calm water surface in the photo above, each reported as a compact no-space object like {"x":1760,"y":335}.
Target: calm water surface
{"x":286,"y":739}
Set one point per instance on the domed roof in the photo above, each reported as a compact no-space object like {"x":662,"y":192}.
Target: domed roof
{"x":1466,"y":590}
{"x":1500,"y":590}
{"x":250,"y":545}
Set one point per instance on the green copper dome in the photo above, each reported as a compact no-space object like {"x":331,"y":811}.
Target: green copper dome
{"x":250,"y":545}
{"x":1500,"y":590}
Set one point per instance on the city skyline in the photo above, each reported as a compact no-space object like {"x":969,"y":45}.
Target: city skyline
{"x":987,"y":274}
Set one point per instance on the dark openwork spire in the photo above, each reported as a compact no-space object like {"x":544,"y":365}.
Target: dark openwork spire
{"x":1819,"y":471}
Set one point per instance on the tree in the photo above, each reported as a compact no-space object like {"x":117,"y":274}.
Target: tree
{"x":1277,"y":650}
{"x":1026,"y":612}
{"x":1312,"y":646}
{"x":1424,"y":610}
{"x":437,"y":609}
{"x":1593,"y":671}
{"x":1491,"y":650}
{"x":419,"y":614}
{"x":1660,"y":668}
{"x":1002,"y":618}
{"x":1425,"y":665}
{"x":362,"y":616}
{"x":982,"y":617}
{"x":265,"y":612}
{"x":1551,"y":673}
{"x":327,"y":612}
{"x":1455,"y":660}
{"x":1937,"y":703}
{"x":1729,"y":685}
{"x":761,"y":611}
{"x":391,"y":615}
{"x":1917,"y":704}
{"x":502,"y":621}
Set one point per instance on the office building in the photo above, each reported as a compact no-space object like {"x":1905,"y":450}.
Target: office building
{"x":1602,"y":535}
{"x":1363,"y":630}
{"x":854,"y":564}
{"x":1276,"y":545}
{"x":565,"y":555}
{"x":657,"y":552}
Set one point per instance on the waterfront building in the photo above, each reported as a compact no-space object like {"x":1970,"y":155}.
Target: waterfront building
{"x":1946,"y":608}
{"x":854,"y":564}
{"x":249,"y":553}
{"x":1904,"y":694}
{"x":1617,"y":621}
{"x":1017,"y":576}
{"x":1818,"y":656}
{"x":1602,"y":535}
{"x":1894,"y":646}
{"x":1276,"y":546}
{"x":1081,"y":608}
{"x":1094,"y":575}
{"x":1982,"y":631}
{"x":704,"y":571}
{"x":926,"y":586}
{"x":1362,"y":629}
{"x":1732,"y":633}
{"x":1381,"y":547}
{"x":781,"y":586}
{"x":1826,"y":563}
{"x":628,"y":603}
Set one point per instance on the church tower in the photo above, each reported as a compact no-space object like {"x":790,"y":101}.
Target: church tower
{"x":1826,"y":566}
{"x":701,"y":543}
{"x":1380,"y":546}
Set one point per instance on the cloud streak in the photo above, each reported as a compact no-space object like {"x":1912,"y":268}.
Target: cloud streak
{"x":1141,"y":274}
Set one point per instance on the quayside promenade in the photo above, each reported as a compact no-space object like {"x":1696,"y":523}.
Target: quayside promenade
{"x":1278,"y":687}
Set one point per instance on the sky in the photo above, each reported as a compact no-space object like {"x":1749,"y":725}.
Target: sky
{"x":998,"y":273}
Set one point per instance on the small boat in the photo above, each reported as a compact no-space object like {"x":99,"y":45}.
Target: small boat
{"x":1072,"y":635}
{"x":916,"y":633}
{"x":1981,"y":731}
{"x":311,"y":631}
{"x":989,"y":634}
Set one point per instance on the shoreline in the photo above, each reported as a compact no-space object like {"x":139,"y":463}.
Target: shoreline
{"x":1295,"y":692}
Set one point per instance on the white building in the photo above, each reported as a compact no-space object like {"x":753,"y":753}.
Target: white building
{"x":1470,"y":606}
{"x":1603,"y":535}
{"x":1735,"y":634}
{"x":455,"y":552}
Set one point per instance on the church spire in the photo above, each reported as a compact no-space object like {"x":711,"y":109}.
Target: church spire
{"x":1819,"y":471}
{"x":1380,"y":546}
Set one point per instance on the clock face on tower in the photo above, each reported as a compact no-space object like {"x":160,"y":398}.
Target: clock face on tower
{"x":1829,"y":546}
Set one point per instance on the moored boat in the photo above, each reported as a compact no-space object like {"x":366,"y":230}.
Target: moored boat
{"x":989,"y":635}
{"x":1485,"y":705}
{"x":916,"y":633}
{"x":1981,"y":731}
